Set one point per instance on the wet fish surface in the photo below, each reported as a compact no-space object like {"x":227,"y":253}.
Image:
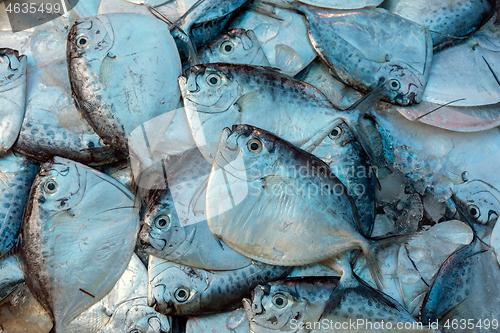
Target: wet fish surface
{"x":77,"y":219}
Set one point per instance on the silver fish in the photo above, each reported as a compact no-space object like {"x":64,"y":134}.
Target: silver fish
{"x":77,"y":220}
{"x":113,"y":70}
{"x":237,"y":46}
{"x":448,"y":21}
{"x":261,"y":183}
{"x":297,"y":305}
{"x":53,"y":125}
{"x":184,"y":291}
{"x":175,"y":227}
{"x":12,"y":96}
{"x":372,"y":46}
{"x":16,"y":176}
{"x":11,"y":275}
{"x":333,"y":4}
{"x":231,"y":322}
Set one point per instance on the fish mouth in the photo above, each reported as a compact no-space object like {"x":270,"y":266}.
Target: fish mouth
{"x":229,"y":157}
{"x":14,"y":60}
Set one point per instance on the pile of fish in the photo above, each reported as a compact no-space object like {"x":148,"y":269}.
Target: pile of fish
{"x":251,"y":166}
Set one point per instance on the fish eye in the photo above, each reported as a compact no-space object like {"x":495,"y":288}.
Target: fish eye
{"x":82,"y":41}
{"x":474,"y":211}
{"x":162,"y":221}
{"x":213,"y":80}
{"x":394,"y":84}
{"x":279,"y":300}
{"x":335,"y":133}
{"x":255,"y":146}
{"x":227,"y":47}
{"x":135,"y":331}
{"x":181,"y":294}
{"x":50,"y":186}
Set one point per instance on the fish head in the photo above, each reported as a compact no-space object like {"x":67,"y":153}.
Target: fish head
{"x":177,"y":289}
{"x":209,"y":88}
{"x":12,"y":67}
{"x":403,"y":86}
{"x":236,"y":46}
{"x":89,"y":39}
{"x":60,"y":185}
{"x":274,"y":307}
{"x":479,"y":203}
{"x":136,"y":318}
{"x":161,"y":232}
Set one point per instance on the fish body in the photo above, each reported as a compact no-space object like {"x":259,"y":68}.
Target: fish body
{"x":237,"y":46}
{"x":184,"y":291}
{"x":448,"y":21}
{"x":77,"y":220}
{"x":230,"y":322}
{"x":335,"y":4}
{"x":113,"y":70}
{"x":11,"y":275}
{"x":312,"y":218}
{"x":12,"y":95}
{"x":16,"y":176}
{"x":367,"y":50}
{"x":174,"y":225}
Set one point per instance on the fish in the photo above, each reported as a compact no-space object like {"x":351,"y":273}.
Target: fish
{"x":12,"y":95}
{"x":337,"y":4}
{"x":174,"y":225}
{"x":458,"y":291}
{"x":448,"y":21}
{"x":312,"y":218}
{"x":112,"y":70}
{"x":282,"y":34}
{"x":17,"y":174}
{"x":230,"y":322}
{"x":122,"y":172}
{"x":237,"y":46}
{"x":179,"y":290}
{"x":11,"y":275}
{"x":54,"y":126}
{"x":297,"y":305}
{"x":21,"y":312}
{"x":77,"y":220}
{"x":364,"y":48}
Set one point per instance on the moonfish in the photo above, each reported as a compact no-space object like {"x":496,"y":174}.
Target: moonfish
{"x":458,"y":291}
{"x":335,"y":4}
{"x":54,"y":126}
{"x":275,"y":203}
{"x":297,"y":305}
{"x":448,"y":21}
{"x":364,"y":52}
{"x":184,"y":291}
{"x":237,"y":46}
{"x":119,"y":78}
{"x":16,"y":176}
{"x":174,"y":225}
{"x":12,"y":96}
{"x":77,"y":220}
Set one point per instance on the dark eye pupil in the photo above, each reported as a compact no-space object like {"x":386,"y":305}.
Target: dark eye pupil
{"x":182,"y":294}
{"x":254,"y":146}
{"x":51,"y":186}
{"x":228,"y":48}
{"x":213,"y":80}
{"x":83,"y":41}
{"x":394,"y":84}
{"x":473,"y":211}
{"x":162,"y":222}
{"x":335,"y":132}
{"x":279,"y":301}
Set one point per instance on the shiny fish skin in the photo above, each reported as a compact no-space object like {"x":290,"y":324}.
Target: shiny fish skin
{"x":365,"y":54}
{"x":77,"y":220}
{"x":237,"y":46}
{"x":113,"y":70}
{"x":11,"y":275}
{"x":230,"y":322}
{"x":448,"y":21}
{"x":53,"y":125}
{"x":312,"y":216}
{"x":16,"y":176}
{"x":208,"y":292}
{"x":335,"y":4}
{"x":12,"y":96}
{"x":185,"y":239}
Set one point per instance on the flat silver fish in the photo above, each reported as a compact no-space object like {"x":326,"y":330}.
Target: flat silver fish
{"x":77,"y":220}
{"x":230,"y":322}
{"x":237,"y":46}
{"x":184,"y":291}
{"x":54,"y":126}
{"x":275,"y":203}
{"x":174,"y":225}
{"x":119,"y":78}
{"x":16,"y":176}
{"x":333,"y":4}
{"x":12,"y":96}
{"x":448,"y":21}
{"x":371,"y":46}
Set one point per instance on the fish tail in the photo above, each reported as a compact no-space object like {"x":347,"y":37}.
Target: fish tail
{"x":374,"y":266}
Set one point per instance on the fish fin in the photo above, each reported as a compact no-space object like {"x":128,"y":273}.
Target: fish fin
{"x":363,"y":104}
{"x":436,"y":109}
{"x":332,"y":302}
{"x":374,"y":266}
{"x":4,"y":179}
{"x":219,"y":241}
{"x":247,"y":99}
